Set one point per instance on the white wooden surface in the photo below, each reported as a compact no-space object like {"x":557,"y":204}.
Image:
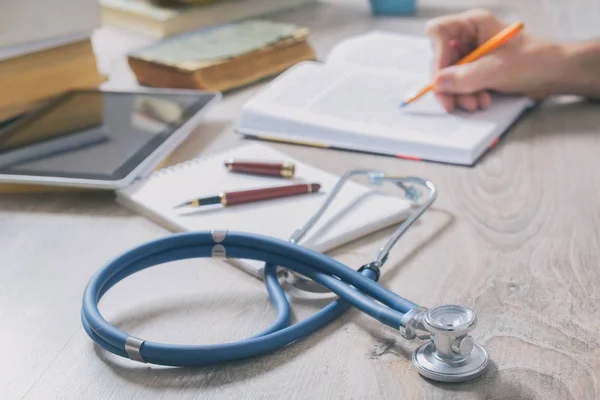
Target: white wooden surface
{"x":516,"y":238}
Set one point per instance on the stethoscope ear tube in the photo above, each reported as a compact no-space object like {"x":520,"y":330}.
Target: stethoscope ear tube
{"x":377,"y":178}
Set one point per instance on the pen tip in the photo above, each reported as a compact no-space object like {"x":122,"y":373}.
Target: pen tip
{"x":187,"y":203}
{"x":403,"y":104}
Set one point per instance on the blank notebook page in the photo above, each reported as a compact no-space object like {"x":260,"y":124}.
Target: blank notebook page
{"x":357,"y":210}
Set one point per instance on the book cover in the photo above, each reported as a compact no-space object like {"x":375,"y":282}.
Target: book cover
{"x":222,"y":58}
{"x":197,"y":49}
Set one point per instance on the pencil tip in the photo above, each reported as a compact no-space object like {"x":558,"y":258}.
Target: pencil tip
{"x":403,"y":104}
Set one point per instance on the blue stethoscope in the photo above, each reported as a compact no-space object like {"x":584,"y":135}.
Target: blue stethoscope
{"x":448,"y":355}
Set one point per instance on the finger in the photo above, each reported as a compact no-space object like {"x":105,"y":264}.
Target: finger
{"x":468,"y":78}
{"x":445,"y":55}
{"x":485,"y":23}
{"x":465,"y":45}
{"x":447,"y":101}
{"x":468,"y":102}
{"x":441,"y":31}
{"x":441,"y":60}
{"x":455,"y":45}
{"x":433,"y":68}
{"x":485,"y":100}
{"x":450,"y":27}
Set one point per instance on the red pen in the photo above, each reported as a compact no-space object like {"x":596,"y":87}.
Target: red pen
{"x":284,"y":169}
{"x":253,"y":195}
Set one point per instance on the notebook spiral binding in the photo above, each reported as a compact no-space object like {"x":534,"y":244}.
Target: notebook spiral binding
{"x":160,"y":173}
{"x":184,"y":165}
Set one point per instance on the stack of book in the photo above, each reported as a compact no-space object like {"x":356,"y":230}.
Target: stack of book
{"x":45,"y":49}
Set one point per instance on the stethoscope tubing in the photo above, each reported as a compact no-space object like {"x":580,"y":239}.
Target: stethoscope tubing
{"x":357,"y":289}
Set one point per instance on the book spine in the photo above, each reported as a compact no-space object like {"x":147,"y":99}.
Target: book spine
{"x":157,"y":75}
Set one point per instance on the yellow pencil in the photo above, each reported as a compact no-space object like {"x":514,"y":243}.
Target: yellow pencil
{"x":492,"y":44}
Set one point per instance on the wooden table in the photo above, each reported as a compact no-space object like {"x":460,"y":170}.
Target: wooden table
{"x":517,"y":238}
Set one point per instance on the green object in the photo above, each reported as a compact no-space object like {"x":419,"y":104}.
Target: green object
{"x":222,"y":42}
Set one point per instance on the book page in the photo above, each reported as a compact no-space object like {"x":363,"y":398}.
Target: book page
{"x":364,"y":102}
{"x":384,"y":50}
{"x":392,"y":53}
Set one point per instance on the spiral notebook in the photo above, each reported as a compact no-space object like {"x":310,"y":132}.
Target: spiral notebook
{"x":358,"y":210}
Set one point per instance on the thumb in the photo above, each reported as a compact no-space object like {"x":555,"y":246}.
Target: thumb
{"x":465,"y":79}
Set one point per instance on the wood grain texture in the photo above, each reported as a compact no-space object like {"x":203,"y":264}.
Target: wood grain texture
{"x":516,"y":237}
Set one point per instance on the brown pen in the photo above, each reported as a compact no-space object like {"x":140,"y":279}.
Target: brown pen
{"x":285,"y":169}
{"x":253,"y":195}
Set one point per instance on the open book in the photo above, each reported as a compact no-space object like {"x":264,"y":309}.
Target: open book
{"x":356,"y":211}
{"x":352,"y":101}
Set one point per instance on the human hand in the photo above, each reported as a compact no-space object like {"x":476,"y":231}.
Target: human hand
{"x":524,"y":65}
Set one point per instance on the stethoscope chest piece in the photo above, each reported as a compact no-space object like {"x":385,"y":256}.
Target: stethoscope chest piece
{"x":451,"y":355}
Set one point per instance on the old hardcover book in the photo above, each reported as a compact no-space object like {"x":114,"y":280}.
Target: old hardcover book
{"x":222,"y":58}
{"x":25,"y":22}
{"x":37,"y":76}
